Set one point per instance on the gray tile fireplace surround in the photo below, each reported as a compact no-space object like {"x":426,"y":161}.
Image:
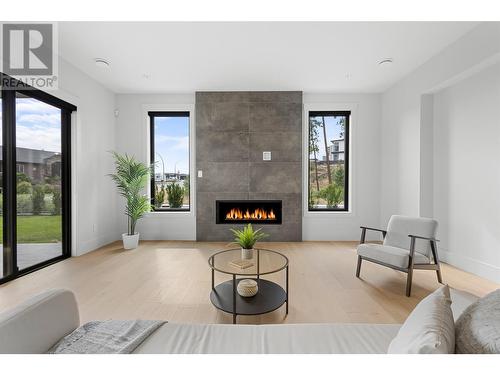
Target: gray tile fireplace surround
{"x":232,"y":131}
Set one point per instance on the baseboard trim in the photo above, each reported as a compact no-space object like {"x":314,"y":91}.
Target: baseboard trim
{"x":477,"y":267}
{"x":93,"y":244}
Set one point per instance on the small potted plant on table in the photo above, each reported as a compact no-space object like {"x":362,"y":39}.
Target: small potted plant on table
{"x":246,"y":239}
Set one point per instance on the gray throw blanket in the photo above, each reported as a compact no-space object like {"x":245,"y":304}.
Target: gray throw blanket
{"x":106,"y":337}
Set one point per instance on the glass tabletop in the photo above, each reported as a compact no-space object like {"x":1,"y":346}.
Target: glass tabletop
{"x":263,"y":262}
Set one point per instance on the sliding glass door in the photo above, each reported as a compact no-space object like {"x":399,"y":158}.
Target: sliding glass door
{"x":38,"y":178}
{"x":35,"y":181}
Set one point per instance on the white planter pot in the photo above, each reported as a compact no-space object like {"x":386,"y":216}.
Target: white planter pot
{"x":246,"y":253}
{"x":130,"y":242}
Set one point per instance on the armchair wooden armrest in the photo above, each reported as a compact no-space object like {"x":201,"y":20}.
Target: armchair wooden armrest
{"x":364,"y":229}
{"x":374,"y":229}
{"x":423,"y":238}
{"x":414,"y":237}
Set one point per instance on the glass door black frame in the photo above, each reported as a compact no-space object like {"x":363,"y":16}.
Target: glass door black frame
{"x":10,"y":87}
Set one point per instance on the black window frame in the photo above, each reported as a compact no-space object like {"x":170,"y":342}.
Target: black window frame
{"x":10,"y":268}
{"x":347,"y":114}
{"x":152,"y":115}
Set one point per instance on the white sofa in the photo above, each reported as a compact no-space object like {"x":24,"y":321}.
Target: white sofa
{"x":37,"y":324}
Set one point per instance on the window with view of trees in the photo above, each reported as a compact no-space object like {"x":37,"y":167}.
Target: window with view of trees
{"x":170,"y":156}
{"x":328,"y":160}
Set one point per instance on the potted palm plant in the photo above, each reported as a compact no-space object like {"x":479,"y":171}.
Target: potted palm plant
{"x":131,"y":177}
{"x":246,"y":239}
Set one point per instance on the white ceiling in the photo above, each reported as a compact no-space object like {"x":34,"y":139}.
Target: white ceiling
{"x":312,"y":57}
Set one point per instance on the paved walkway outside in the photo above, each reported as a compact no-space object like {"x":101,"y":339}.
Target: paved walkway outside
{"x":33,"y":253}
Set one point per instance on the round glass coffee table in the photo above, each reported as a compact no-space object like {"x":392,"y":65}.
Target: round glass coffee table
{"x":270,"y":295}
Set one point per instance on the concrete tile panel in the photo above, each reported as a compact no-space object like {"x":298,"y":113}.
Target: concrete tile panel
{"x":222,"y":146}
{"x":284,"y":146}
{"x":223,"y":177}
{"x":278,"y":177}
{"x":275,"y":117}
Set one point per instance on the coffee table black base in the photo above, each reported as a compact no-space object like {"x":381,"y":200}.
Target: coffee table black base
{"x":270,"y":297}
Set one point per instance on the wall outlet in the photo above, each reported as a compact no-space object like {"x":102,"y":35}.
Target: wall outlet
{"x":266,"y":155}
{"x":200,"y":173}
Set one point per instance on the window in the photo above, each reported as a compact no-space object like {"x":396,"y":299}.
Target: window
{"x":328,"y":165}
{"x":170,"y":154}
{"x":36,"y":211}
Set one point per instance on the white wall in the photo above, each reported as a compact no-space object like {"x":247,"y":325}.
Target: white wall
{"x":401,"y":116}
{"x":93,"y":134}
{"x":132,"y":138}
{"x":467,"y":174}
{"x":426,"y":204}
{"x":364,"y":168}
{"x":410,"y":153}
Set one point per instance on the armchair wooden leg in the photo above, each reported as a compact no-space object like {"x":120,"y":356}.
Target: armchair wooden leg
{"x":358,"y":268}
{"x":436,"y":260}
{"x":410,"y":267}
{"x":408,"y":281}
{"x":439,"y":276}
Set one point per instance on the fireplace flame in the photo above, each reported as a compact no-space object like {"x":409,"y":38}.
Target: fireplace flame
{"x":257,"y":214}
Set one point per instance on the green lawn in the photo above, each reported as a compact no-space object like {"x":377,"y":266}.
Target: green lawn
{"x":37,"y":229}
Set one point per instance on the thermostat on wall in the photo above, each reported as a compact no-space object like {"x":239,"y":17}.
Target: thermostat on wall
{"x":266,"y":155}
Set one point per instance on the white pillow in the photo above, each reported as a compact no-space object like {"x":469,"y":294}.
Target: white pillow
{"x":430,"y":328}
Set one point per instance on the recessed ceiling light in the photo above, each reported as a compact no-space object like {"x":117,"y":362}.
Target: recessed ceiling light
{"x":386,"y":62}
{"x":101,"y":63}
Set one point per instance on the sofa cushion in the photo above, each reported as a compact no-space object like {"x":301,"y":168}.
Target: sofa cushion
{"x":430,"y":328}
{"x":35,"y":325}
{"x":330,"y":338}
{"x":478,"y":328}
{"x":391,"y":255}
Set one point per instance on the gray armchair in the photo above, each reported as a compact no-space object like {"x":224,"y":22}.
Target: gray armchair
{"x":409,"y":243}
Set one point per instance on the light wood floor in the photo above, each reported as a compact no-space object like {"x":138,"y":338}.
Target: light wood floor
{"x":170,"y":280}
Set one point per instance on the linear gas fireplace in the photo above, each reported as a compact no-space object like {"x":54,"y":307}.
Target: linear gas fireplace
{"x":248,"y":211}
